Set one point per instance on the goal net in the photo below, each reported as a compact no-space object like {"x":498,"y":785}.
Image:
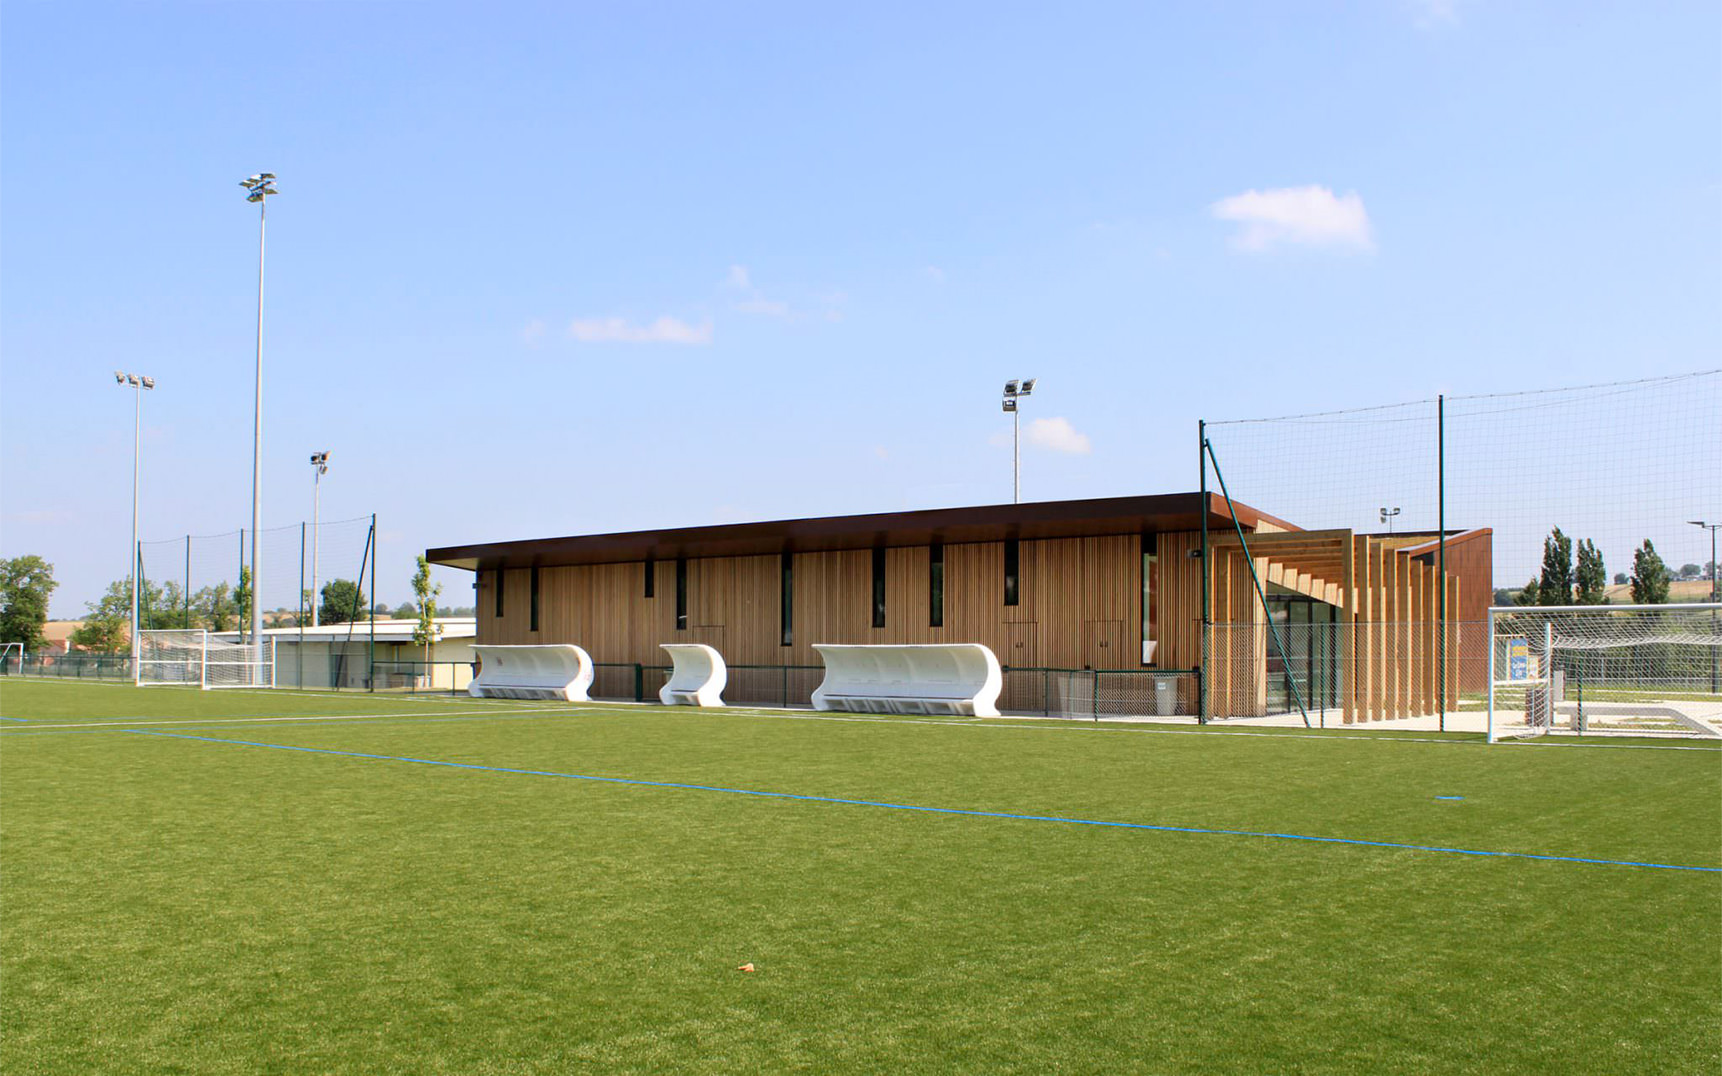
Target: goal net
{"x":193,"y":657}
{"x":1642,"y":670}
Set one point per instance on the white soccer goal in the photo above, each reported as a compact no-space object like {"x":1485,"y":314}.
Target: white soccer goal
{"x":11,"y":655}
{"x":1642,"y":670}
{"x":194,"y":657}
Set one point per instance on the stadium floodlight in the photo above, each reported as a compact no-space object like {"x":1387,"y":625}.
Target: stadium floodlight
{"x":320,"y":462}
{"x":138,"y":383}
{"x":1387,"y":515}
{"x":1015,"y":389}
{"x":257,"y":188}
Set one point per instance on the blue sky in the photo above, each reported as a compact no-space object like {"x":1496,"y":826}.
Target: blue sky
{"x":559,"y":269}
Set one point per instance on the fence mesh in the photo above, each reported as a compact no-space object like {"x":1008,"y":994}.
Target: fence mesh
{"x":1588,"y":496}
{"x":203,"y":580}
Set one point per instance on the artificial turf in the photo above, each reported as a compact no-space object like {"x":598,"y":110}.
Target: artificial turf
{"x":205,"y":905}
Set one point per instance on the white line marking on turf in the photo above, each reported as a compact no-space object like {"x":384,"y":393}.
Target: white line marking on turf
{"x":120,"y":724}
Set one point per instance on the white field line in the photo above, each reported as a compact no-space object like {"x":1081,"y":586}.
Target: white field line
{"x":126,"y":723}
{"x":793,"y":715}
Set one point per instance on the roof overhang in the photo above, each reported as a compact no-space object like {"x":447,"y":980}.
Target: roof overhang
{"x":982,"y":523}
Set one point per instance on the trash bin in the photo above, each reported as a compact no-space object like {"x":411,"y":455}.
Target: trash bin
{"x":1165,"y":696}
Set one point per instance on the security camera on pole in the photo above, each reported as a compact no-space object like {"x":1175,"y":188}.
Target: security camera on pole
{"x":320,"y":463}
{"x":257,"y":188}
{"x":1014,"y":391}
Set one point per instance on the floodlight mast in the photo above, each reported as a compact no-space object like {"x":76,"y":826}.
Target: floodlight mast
{"x":1014,"y":391}
{"x":258,"y":188}
{"x":1387,"y":515}
{"x":139,"y":383}
{"x":320,"y":461}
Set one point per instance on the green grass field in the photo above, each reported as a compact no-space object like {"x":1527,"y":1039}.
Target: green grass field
{"x":170,"y":903}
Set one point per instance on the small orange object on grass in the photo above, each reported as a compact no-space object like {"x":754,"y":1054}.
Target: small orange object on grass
{"x":745,"y":967}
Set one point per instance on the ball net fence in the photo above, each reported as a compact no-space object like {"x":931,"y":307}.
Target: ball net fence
{"x":1394,"y":529}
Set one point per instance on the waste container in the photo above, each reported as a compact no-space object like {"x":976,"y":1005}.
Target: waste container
{"x":1165,"y":696}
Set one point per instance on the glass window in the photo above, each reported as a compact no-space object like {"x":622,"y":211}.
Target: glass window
{"x":534,"y":624}
{"x":1010,"y":557}
{"x":500,"y":576}
{"x":786,"y":600}
{"x":681,"y":593}
{"x":1150,"y":594}
{"x":936,"y":585}
{"x":878,"y":588}
{"x":651,"y":577}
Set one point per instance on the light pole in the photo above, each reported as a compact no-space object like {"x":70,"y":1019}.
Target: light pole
{"x":1715,"y":660}
{"x":1014,"y":391}
{"x":319,"y":461}
{"x":1387,"y":515}
{"x":139,"y":383}
{"x":257,"y":188}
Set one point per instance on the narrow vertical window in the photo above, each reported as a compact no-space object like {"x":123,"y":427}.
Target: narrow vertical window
{"x":500,"y":576}
{"x":651,"y":577}
{"x":936,"y":585}
{"x":681,"y":593}
{"x":879,"y":588}
{"x":534,"y":617}
{"x":1150,"y":589}
{"x":1011,"y":588}
{"x":786,"y":600}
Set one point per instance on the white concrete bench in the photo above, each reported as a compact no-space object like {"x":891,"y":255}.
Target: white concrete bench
{"x":698,"y":678}
{"x":960,"y":679}
{"x":557,"y":671}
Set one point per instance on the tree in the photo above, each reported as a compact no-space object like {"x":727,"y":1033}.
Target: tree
{"x":107,"y":627}
{"x":342,"y":602}
{"x":1529,"y":595}
{"x":25,"y":585}
{"x":382,"y":610}
{"x":212,"y":607}
{"x":1690,"y":571}
{"x":1620,"y":579}
{"x":168,"y":608}
{"x":242,"y":599}
{"x":405,"y":611}
{"x":1649,"y":576}
{"x":1592,"y":577}
{"x":1555,"y":587}
{"x":427,"y":631}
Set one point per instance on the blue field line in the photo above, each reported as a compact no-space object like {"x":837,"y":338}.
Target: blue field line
{"x":936,"y":810}
{"x":14,"y":719}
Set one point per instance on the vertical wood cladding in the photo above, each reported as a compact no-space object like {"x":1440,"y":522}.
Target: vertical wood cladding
{"x":1079,"y":604}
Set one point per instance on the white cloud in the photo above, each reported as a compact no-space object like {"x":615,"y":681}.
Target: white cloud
{"x":1307,"y":216}
{"x":1428,"y":14}
{"x":1058,"y":435}
{"x":769,"y":307}
{"x":738,"y":278}
{"x":882,"y":452}
{"x":665,"y":330}
{"x":533,"y":333}
{"x":933,"y":274}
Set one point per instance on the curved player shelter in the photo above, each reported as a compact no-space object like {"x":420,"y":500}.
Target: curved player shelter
{"x":1105,"y":584}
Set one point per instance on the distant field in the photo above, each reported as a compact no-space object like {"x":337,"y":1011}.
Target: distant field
{"x":248,"y":882}
{"x":1679,"y":590}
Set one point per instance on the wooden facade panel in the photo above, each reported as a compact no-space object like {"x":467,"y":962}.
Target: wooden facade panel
{"x":1081,"y":604}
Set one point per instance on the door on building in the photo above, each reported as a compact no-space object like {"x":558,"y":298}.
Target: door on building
{"x":1024,"y":691}
{"x":1103,"y":645}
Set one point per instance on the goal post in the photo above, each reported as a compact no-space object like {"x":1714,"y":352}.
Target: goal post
{"x":190,"y":657}
{"x":1643,"y":670}
{"x":11,"y":654}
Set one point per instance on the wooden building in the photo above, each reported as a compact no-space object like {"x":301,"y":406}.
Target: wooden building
{"x":1109,"y":584}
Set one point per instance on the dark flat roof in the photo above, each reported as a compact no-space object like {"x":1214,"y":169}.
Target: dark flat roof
{"x":981,"y":523}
